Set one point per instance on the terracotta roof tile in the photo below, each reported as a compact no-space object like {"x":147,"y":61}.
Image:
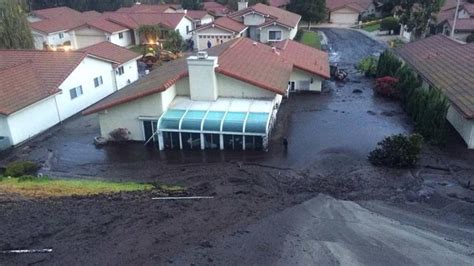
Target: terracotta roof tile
{"x":447,"y":65}
{"x":112,"y":52}
{"x":304,"y":57}
{"x":359,"y":5}
{"x":243,"y":59}
{"x":215,"y":8}
{"x":49,"y":13}
{"x":279,"y":15}
{"x":62,"y":21}
{"x":226,"y":23}
{"x":196,"y":14}
{"x":43,"y":72}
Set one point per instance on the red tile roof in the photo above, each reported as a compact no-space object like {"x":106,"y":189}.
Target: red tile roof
{"x":465,"y":24}
{"x":278,"y":3}
{"x":243,"y":59}
{"x":196,"y":14}
{"x":279,"y":15}
{"x":49,"y":13}
{"x":358,"y":5}
{"x":104,"y":25}
{"x":62,"y":21}
{"x":446,"y":64}
{"x":225,"y":23}
{"x":305,"y":57}
{"x":111,"y":52}
{"x":135,"y":20}
{"x":215,"y":8}
{"x":27,"y":76}
{"x":143,"y":8}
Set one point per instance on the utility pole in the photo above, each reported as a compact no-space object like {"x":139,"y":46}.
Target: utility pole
{"x":455,"y":19}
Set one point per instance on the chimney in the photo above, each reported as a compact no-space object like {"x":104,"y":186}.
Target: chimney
{"x":202,"y":77}
{"x":242,"y":4}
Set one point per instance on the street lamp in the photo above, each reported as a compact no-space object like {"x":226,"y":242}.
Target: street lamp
{"x":455,"y":19}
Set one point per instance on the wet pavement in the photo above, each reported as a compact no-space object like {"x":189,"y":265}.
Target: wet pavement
{"x":336,"y":120}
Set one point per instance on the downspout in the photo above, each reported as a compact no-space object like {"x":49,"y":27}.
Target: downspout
{"x":57,"y":109}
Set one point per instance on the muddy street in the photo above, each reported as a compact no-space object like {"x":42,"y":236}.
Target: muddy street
{"x":320,"y":202}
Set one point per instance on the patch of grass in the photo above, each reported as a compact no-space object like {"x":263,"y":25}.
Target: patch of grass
{"x":47,"y":187}
{"x":311,"y":38}
{"x":371,"y":27}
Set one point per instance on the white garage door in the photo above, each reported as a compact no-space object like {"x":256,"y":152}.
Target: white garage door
{"x":344,"y":16}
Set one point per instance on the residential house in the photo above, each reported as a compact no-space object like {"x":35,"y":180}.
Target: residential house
{"x":349,"y":12}
{"x":225,"y":97}
{"x":464,"y":23}
{"x":50,"y":26}
{"x":200,"y":17}
{"x":446,"y":64}
{"x":47,"y":87}
{"x":260,"y":22}
{"x":215,"y":9}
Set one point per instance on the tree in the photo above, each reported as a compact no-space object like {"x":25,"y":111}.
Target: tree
{"x":416,"y":15}
{"x":232,"y":4}
{"x":174,"y":42}
{"x":310,"y":10}
{"x":390,"y":24}
{"x":15,"y":32}
{"x":150,"y":33}
{"x":192,"y":4}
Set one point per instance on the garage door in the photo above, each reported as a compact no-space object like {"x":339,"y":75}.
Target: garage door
{"x":344,"y":17}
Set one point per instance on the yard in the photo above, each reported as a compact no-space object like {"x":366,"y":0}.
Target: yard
{"x":311,"y":38}
{"x":371,"y":27}
{"x":47,"y":187}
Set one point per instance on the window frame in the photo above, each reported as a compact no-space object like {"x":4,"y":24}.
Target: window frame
{"x":275,"y":31}
{"x":120,"y":35}
{"x":120,"y":70}
{"x":75,"y":92}
{"x":98,"y":81}
{"x":61,"y":35}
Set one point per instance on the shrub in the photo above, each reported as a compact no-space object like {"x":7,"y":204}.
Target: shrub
{"x":386,"y":87}
{"x":390,"y":24}
{"x":388,"y":64}
{"x":368,"y":66}
{"x":26,"y":178}
{"x":120,"y":134}
{"x":299,"y":34}
{"x":369,"y":17}
{"x":17,"y":169}
{"x":398,"y":151}
{"x":470,"y":38}
{"x":407,"y":83}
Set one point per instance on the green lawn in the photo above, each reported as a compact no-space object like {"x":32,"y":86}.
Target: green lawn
{"x":47,"y":187}
{"x":311,"y":38}
{"x":371,"y":28}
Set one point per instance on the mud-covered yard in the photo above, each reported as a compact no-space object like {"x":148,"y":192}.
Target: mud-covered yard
{"x":320,"y":202}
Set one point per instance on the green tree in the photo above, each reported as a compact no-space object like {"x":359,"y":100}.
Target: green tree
{"x":416,"y":15}
{"x":15,"y":32}
{"x":389,"y":24}
{"x":174,"y":42}
{"x":310,"y":10}
{"x":192,"y":4}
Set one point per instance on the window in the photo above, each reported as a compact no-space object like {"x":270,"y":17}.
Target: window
{"x":61,"y":35}
{"x":274,"y":35}
{"x":187,"y":29}
{"x":98,"y":81}
{"x":120,"y":35}
{"x":120,"y":71}
{"x":75,"y":92}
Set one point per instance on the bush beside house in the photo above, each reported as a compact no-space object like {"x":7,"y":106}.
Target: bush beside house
{"x":398,"y":151}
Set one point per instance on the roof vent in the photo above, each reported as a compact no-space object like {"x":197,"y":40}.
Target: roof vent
{"x":254,"y":43}
{"x":202,"y":55}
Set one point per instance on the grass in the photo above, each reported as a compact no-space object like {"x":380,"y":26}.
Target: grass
{"x":311,"y":38}
{"x":371,"y":27}
{"x":47,"y":187}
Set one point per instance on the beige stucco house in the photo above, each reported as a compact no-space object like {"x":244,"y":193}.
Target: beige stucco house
{"x":226,"y":97}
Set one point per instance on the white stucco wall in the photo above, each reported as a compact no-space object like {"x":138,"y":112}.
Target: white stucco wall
{"x":253,"y":19}
{"x":298,"y":75}
{"x":207,"y":19}
{"x":182,"y":87}
{"x":84,"y":75}
{"x":4,"y":128}
{"x":87,"y":36}
{"x":129,"y":76}
{"x":230,"y":87}
{"x":264,"y":33}
{"x":185,"y":22}
{"x":213,"y":34}
{"x":125,"y":41}
{"x":54,"y":40}
{"x":39,"y":39}
{"x":127,"y":116}
{"x":32,"y":120}
{"x":293,"y":33}
{"x":202,"y":78}
{"x":464,"y":127}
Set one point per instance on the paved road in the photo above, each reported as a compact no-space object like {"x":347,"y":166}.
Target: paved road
{"x":326,"y":231}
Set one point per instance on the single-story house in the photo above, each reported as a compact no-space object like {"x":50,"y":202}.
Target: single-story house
{"x":349,"y":12}
{"x":100,"y":30}
{"x":446,"y":64}
{"x":50,"y":26}
{"x":464,"y":23}
{"x":48,"y":87}
{"x":262,"y":23}
{"x":200,"y":17}
{"x":225,"y":97}
{"x":219,"y":31}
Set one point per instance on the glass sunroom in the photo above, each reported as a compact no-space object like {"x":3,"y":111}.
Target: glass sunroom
{"x":234,"y":124}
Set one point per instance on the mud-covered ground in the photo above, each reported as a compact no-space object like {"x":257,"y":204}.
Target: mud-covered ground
{"x":320,"y":202}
